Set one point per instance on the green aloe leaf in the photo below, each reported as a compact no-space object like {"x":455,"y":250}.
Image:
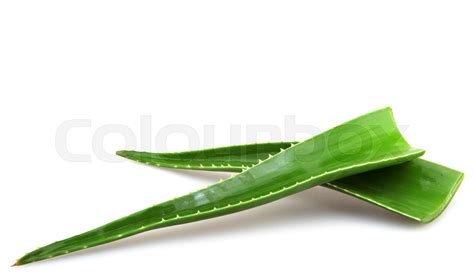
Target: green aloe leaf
{"x":418,"y":189}
{"x":369,"y":142}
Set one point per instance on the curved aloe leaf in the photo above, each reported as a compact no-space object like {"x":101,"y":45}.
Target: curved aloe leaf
{"x":418,"y":189}
{"x":369,"y":142}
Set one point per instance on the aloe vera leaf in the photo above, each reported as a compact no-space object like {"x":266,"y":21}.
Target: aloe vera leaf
{"x":418,"y":189}
{"x":368,"y":142}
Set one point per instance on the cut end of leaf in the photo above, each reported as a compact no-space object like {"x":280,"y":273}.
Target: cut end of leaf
{"x":446,"y":201}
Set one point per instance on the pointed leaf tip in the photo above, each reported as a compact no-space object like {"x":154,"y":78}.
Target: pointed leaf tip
{"x":120,"y":152}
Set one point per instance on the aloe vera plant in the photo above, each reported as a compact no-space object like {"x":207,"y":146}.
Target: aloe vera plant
{"x":418,"y":189}
{"x":366,"y":143}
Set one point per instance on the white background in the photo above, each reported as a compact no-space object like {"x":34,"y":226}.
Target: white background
{"x":223,"y":63}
